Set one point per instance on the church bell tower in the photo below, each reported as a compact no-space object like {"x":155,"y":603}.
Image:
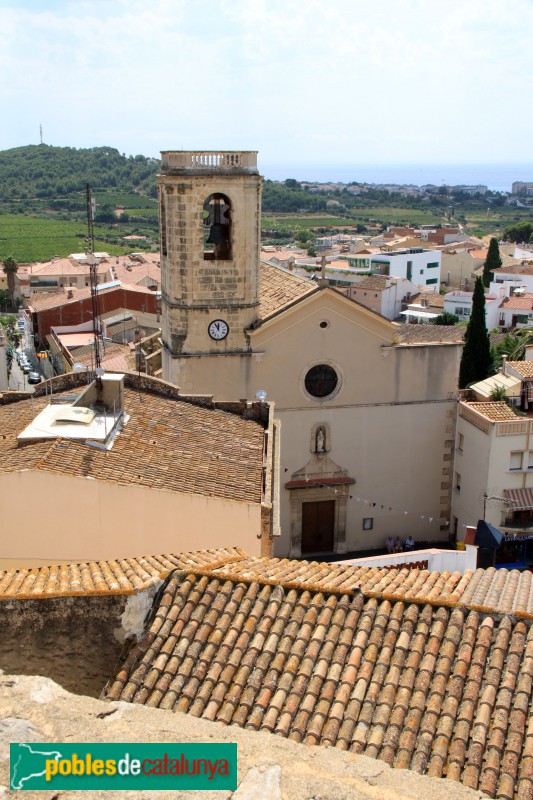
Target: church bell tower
{"x":209,"y":218}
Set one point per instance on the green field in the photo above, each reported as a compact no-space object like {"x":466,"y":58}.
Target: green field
{"x":149,"y":214}
{"x":127,"y":200}
{"x":306,"y":221}
{"x":33,"y":239}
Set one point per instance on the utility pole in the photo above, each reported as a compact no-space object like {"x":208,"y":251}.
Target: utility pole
{"x":93,"y":267}
{"x":41,"y":131}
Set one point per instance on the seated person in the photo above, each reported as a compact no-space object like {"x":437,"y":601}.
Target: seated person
{"x":409,"y":543}
{"x":398,"y":545}
{"x":389,"y":544}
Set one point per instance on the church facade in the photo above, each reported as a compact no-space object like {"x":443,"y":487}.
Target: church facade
{"x":366,"y":407}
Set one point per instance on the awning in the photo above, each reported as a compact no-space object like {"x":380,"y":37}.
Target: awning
{"x":487,"y":536}
{"x":521,"y":499}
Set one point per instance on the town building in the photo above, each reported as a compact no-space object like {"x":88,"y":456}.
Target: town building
{"x":74,"y":306}
{"x":522,"y":188}
{"x":130,"y":468}
{"x":493,"y":463}
{"x":352,"y":389}
{"x":383,"y":294}
{"x":421,"y":267}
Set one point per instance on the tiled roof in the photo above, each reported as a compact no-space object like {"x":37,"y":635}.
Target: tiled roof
{"x":420,"y":334}
{"x":434,"y":299}
{"x":115,"y":358}
{"x":122,"y":576}
{"x":515,"y":268}
{"x":523,"y":302}
{"x":524,"y":368}
{"x":495,"y":411}
{"x":444,"y":692}
{"x":374,"y":282}
{"x":488,"y":590}
{"x":278,"y":288}
{"x":167,"y":444}
{"x":41,"y":303}
{"x":63,"y":266}
{"x":131,"y":270}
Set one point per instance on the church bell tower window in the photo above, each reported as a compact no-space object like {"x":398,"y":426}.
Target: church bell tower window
{"x":217,"y":228}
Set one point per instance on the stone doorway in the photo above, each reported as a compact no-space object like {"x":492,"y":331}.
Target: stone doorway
{"x":318,"y":526}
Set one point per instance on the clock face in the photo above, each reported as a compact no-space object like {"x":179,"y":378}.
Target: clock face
{"x":218,"y":329}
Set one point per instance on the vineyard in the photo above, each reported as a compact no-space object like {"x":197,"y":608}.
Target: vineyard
{"x":31,"y":239}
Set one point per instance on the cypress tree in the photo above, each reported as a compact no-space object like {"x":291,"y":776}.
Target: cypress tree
{"x":476,"y":359}
{"x":492,"y":262}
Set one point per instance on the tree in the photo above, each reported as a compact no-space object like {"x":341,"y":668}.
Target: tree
{"x":446,"y":319}
{"x":476,"y":358}
{"x":492,"y":262}
{"x":10,"y":268}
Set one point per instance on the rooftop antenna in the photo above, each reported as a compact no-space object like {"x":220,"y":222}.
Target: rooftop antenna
{"x":41,"y":131}
{"x":93,"y":264}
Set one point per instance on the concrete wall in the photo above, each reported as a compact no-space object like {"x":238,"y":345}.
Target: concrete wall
{"x":456,"y":267}
{"x":438,"y":560}
{"x":50,"y":519}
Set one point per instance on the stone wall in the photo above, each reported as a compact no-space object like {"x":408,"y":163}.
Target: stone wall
{"x":269,"y":767}
{"x":76,"y":641}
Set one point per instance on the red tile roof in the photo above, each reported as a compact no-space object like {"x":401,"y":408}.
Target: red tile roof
{"x":444,"y":692}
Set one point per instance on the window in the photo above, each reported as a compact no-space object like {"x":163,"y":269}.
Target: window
{"x":432,"y":265}
{"x":432,"y":280}
{"x":457,"y":481}
{"x":530,"y":460}
{"x":460,"y":442}
{"x":368,"y":523}
{"x":516,"y":460}
{"x":321,"y":380}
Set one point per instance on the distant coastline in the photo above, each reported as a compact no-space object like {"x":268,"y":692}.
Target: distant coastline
{"x":498,"y":177}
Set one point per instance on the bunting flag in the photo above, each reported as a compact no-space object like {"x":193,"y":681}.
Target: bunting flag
{"x":383,"y":506}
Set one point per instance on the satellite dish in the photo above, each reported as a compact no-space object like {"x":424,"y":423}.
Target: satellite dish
{"x":79,"y":367}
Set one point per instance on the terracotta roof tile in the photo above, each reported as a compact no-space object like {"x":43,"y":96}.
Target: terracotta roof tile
{"x":279,"y":288}
{"x":429,"y":334}
{"x":167,"y":444}
{"x":443,"y":691}
{"x":524,"y":368}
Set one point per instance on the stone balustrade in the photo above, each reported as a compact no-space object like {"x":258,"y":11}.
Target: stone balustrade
{"x":209,"y":160}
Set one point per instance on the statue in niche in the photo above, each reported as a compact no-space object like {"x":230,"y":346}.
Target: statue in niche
{"x":320,"y":441}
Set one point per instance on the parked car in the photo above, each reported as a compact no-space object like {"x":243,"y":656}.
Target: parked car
{"x":21,"y":324}
{"x":34,"y":377}
{"x":26,"y":367}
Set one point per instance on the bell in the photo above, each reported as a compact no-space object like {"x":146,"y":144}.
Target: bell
{"x":218,"y":234}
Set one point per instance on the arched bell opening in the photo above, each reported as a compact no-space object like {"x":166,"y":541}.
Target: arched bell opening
{"x":217,"y":227}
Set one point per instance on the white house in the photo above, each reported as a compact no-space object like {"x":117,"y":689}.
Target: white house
{"x":421,"y":267}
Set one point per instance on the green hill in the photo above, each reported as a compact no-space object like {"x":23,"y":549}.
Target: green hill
{"x":59,"y":174}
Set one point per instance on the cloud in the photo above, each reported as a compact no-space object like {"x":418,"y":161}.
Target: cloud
{"x":400,"y":80}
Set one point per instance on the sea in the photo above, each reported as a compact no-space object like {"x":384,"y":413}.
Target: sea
{"x":497,"y":177}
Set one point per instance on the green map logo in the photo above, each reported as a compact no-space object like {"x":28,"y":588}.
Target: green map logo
{"x":122,"y":766}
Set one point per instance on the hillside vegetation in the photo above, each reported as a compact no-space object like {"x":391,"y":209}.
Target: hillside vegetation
{"x":43,"y":205}
{"x":38,"y":172}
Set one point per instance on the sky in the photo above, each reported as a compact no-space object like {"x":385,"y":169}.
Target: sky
{"x":314,"y":82}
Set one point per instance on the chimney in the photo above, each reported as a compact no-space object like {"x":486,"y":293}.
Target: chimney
{"x":504,"y":363}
